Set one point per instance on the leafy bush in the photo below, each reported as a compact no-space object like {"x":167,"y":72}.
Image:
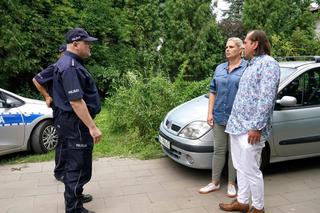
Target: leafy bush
{"x":299,"y":43}
{"x":139,"y":108}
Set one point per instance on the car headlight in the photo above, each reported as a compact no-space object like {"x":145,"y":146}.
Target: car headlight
{"x":195,"y":130}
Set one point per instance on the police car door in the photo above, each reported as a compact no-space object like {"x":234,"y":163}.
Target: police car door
{"x":11,"y":123}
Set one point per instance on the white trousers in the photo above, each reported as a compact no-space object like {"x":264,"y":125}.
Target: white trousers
{"x":246,"y":160}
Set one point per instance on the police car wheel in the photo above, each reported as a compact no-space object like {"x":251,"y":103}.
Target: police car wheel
{"x":44,"y":137}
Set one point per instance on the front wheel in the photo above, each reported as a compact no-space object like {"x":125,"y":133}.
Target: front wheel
{"x":44,"y":137}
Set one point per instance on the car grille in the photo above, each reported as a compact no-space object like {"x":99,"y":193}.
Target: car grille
{"x":172,"y":126}
{"x":172,"y":152}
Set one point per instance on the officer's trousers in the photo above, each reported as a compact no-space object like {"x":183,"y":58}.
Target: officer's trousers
{"x":60,"y":157}
{"x":78,"y":145}
{"x":246,"y":160}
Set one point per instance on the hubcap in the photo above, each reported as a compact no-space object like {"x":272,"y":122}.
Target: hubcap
{"x":49,"y":137}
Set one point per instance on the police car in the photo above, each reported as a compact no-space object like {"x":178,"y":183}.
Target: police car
{"x":25,"y":124}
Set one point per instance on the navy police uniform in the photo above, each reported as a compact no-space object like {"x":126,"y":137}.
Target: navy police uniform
{"x":44,"y":78}
{"x":71,"y":81}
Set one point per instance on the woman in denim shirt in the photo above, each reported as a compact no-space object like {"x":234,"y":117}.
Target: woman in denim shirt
{"x":223,"y":89}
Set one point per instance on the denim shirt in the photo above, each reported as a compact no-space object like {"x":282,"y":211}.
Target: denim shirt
{"x":254,"y":102}
{"x":225,"y":86}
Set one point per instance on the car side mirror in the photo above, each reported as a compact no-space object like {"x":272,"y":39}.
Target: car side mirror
{"x":287,"y":101}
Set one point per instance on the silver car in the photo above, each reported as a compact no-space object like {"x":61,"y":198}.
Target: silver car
{"x":186,"y":137}
{"x":25,"y":124}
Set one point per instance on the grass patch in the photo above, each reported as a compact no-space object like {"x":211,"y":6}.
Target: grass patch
{"x":112,"y":144}
{"x":25,"y":157}
{"x":123,"y":144}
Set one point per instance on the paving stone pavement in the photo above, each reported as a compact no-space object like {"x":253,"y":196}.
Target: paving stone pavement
{"x":153,"y":186}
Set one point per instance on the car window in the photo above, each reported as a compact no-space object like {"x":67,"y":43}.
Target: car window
{"x":305,"y":88}
{"x":2,"y":101}
{"x":312,"y":88}
{"x":285,"y":72}
{"x":8,"y":101}
{"x":294,"y":89}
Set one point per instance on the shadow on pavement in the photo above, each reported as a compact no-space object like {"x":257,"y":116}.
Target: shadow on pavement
{"x":307,"y":164}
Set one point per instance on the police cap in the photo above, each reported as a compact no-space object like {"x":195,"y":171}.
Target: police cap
{"x":78,"y":34}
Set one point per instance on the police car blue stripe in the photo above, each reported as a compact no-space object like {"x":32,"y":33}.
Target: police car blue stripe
{"x":31,"y":117}
{"x":16,"y":119}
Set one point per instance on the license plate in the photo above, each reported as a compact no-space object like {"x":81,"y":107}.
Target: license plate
{"x":164,"y":142}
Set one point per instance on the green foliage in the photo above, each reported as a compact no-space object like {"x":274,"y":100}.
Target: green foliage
{"x":278,"y":16}
{"x":294,"y":47}
{"x":139,"y":108}
{"x":232,"y":28}
{"x":25,"y":157}
{"x":231,"y":25}
{"x":289,"y":24}
{"x":235,"y":10}
{"x":30,"y":33}
{"x":193,"y":43}
{"x":129,"y":33}
{"x":124,"y":143}
{"x":282,"y":47}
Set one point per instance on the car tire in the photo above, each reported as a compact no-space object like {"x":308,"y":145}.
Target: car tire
{"x":265,"y":157}
{"x":44,"y":137}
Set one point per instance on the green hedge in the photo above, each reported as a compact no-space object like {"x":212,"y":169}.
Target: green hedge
{"x":138,"y":108}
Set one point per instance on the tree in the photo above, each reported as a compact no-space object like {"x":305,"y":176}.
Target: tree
{"x":129,"y":33}
{"x":231,"y":25}
{"x":235,"y":10}
{"x":280,"y":17}
{"x":31,"y":32}
{"x":288,"y":23}
{"x":193,"y":43}
{"x":316,"y":1}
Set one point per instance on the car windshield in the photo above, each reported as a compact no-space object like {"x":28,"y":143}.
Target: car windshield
{"x":285,"y":72}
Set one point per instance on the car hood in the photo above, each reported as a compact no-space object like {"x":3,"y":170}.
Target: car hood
{"x":193,"y":110}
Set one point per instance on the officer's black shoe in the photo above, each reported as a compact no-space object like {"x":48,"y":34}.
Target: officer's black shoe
{"x":86,"y":198}
{"x":59,"y":178}
{"x":84,"y":210}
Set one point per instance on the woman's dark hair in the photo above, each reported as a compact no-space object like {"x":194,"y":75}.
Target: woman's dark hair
{"x":264,"y":46}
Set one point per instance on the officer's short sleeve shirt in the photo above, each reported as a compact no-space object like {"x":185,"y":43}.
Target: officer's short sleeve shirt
{"x":71,"y":84}
{"x":45,"y":77}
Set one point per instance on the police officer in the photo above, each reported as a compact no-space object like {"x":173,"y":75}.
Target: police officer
{"x":77,"y":100}
{"x":43,"y":82}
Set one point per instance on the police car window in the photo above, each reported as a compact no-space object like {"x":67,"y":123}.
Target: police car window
{"x":10,"y":101}
{"x":2,"y":101}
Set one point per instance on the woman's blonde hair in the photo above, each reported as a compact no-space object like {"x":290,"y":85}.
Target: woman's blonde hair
{"x":237,"y":41}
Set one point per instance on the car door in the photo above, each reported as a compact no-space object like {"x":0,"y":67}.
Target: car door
{"x":296,"y":129}
{"x":11,"y":122}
